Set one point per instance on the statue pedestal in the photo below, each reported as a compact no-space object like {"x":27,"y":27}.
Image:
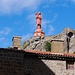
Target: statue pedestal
{"x":38,"y":32}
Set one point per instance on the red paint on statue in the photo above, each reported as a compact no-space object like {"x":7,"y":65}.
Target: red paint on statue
{"x":38,"y":31}
{"x":38,"y":20}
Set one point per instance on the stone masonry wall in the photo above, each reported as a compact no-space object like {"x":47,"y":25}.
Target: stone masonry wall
{"x":59,"y":67}
{"x":57,"y":46}
{"x":16,"y":41}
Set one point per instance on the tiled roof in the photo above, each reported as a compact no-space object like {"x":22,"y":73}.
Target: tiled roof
{"x":50,"y":53}
{"x":44,"y":54}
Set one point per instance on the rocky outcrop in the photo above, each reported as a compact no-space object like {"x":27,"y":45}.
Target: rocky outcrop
{"x":38,"y":43}
{"x":68,"y":35}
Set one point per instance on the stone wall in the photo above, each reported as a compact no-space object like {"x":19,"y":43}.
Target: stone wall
{"x":16,"y":41}
{"x":58,"y":67}
{"x":57,"y":46}
{"x":14,"y":62}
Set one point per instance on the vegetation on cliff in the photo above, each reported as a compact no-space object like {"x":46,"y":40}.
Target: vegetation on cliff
{"x":48,"y":46}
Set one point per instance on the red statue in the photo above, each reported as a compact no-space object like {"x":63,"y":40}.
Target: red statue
{"x":38,"y":31}
{"x":38,"y":20}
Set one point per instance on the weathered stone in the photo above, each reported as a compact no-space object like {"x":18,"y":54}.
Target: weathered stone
{"x":37,"y":38}
{"x":67,"y":35}
{"x":16,"y":41}
{"x":57,"y":46}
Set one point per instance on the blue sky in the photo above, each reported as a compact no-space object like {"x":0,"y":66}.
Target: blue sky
{"x":17,"y":18}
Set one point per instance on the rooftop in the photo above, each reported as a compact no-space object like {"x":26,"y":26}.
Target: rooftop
{"x":43,"y":54}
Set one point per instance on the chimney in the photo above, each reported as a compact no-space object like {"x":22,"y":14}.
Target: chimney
{"x":16,"y":42}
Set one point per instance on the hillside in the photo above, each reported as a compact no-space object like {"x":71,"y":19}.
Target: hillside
{"x":39,"y":43}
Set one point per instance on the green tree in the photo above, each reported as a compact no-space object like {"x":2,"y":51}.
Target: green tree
{"x":48,"y":46}
{"x":24,"y":44}
{"x":74,"y":52}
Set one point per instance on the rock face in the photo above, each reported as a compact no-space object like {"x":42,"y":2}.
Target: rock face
{"x":69,"y":40}
{"x":38,"y":43}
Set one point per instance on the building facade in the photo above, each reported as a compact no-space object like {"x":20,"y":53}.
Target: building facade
{"x":29,"y":62}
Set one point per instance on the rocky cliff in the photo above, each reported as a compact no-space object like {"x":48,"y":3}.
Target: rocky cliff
{"x":38,"y":43}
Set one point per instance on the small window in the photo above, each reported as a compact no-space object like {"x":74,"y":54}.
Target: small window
{"x":70,"y":65}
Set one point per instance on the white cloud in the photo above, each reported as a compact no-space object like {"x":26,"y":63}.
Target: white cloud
{"x":5,"y":31}
{"x":25,"y":37}
{"x":45,"y":23}
{"x":73,"y":0}
{"x":13,"y":6}
{"x":47,"y":27}
{"x":32,"y":21}
{"x":31,"y":18}
{"x":48,"y":22}
{"x":62,"y":3}
{"x":50,"y":30}
{"x":50,"y":1}
{"x":55,"y":15}
{"x":10,"y":6}
{"x":2,"y":38}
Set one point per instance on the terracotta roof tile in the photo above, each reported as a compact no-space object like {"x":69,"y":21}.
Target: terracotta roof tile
{"x":69,"y":54}
{"x":49,"y":53}
{"x":37,"y":52}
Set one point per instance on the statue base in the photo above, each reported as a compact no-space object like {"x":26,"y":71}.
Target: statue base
{"x":39,"y":32}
